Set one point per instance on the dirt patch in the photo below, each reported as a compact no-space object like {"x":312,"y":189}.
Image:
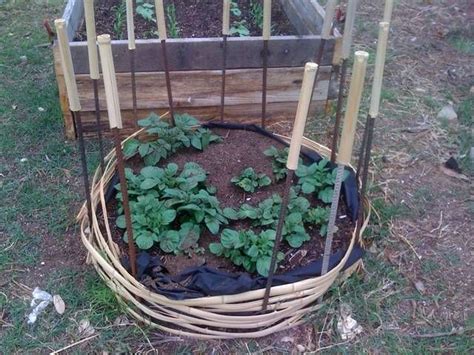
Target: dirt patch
{"x":223,"y":161}
{"x":194,"y":18}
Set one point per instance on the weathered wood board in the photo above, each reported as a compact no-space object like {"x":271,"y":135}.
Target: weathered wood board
{"x":195,"y":65}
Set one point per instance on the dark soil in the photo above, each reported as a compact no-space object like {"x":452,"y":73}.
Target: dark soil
{"x":195,"y":18}
{"x":240,"y":149}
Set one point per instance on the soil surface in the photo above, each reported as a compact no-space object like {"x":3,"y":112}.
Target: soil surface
{"x":223,"y":161}
{"x":194,"y":18}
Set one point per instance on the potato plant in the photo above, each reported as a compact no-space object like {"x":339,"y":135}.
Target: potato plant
{"x":248,"y":249}
{"x":248,"y":180}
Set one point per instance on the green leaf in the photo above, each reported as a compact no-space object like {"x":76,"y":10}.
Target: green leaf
{"x":196,"y":142}
{"x":307,"y":188}
{"x":216,"y":248}
{"x":229,"y":238}
{"x":263,"y":265}
{"x":170,"y":242}
{"x":213,"y":226}
{"x":149,"y":184}
{"x":143,"y":149}
{"x":168,"y":216}
{"x":326,"y":195}
{"x":130,"y":147}
{"x":253,"y":251}
{"x":144,"y":241}
{"x":230,"y":213}
{"x":120,"y":222}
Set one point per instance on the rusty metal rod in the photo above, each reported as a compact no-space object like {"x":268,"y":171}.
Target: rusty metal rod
{"x":264,"y":82}
{"x":134,"y":83}
{"x":132,"y":253}
{"x":168,"y":80}
{"x":279,"y":230}
{"x":370,"y":125}
{"x":76,"y":115}
{"x":98,"y":124}
{"x":224,"y":65}
{"x":362,"y":149}
{"x":340,"y":99}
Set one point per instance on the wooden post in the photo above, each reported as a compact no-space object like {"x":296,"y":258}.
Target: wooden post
{"x":115,"y":121}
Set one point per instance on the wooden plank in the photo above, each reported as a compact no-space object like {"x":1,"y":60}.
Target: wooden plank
{"x":306,"y":16}
{"x":247,"y":113}
{"x":202,"y":88}
{"x":206,"y":53}
{"x":73,"y":14}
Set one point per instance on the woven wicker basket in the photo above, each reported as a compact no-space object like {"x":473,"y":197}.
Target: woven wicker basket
{"x":214,"y":317}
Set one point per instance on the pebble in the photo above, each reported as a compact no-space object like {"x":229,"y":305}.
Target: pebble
{"x":300,"y":348}
{"x":447,"y":113}
{"x":24,"y":59}
{"x":471,"y":153}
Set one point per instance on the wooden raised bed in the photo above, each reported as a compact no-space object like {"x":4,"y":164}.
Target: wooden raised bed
{"x":195,"y":65}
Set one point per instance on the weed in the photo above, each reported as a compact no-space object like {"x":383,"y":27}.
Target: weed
{"x":173,"y":28}
{"x":256,"y":13}
{"x":146,"y":10}
{"x":120,"y":17}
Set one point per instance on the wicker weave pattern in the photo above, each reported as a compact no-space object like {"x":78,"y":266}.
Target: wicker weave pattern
{"x":214,"y":317}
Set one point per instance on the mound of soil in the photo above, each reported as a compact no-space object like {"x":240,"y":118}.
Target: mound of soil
{"x":194,"y":18}
{"x":239,"y":149}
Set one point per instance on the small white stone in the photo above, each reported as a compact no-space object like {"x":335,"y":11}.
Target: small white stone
{"x":23,"y":59}
{"x":23,"y":160}
{"x":41,"y":109}
{"x":447,"y":113}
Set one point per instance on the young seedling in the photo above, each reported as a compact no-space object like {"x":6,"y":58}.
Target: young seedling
{"x":248,"y":180}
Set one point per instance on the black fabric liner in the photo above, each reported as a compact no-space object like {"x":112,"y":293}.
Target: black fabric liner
{"x":204,"y":281}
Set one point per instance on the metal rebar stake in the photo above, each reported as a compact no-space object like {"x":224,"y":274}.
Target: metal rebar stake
{"x":168,"y":80}
{"x":264,"y":82}
{"x":82,"y":149}
{"x":365,"y":169}
{"x":332,"y":218}
{"x":362,"y":149}
{"x":134,"y":83}
{"x":224,"y":65}
{"x":97,"y":120}
{"x":276,"y":247}
{"x":340,"y":99}
{"x":132,"y":253}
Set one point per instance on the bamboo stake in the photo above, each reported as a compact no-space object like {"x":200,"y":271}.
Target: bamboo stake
{"x":310,"y":72}
{"x":366,"y":148}
{"x":347,"y":143}
{"x":74,"y":103}
{"x":225,"y":34}
{"x":346,"y":50}
{"x":94,"y":69}
{"x":266,"y":33}
{"x":115,"y":121}
{"x":161,"y":22}
{"x":387,"y":15}
{"x":132,"y":51}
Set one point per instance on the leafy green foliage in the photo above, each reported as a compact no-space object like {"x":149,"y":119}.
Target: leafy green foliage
{"x":238,"y":27}
{"x":150,"y":219}
{"x":120,"y":18}
{"x":256,"y":12}
{"x":249,"y":180}
{"x":173,"y":28}
{"x":319,"y":216}
{"x":247,"y":249}
{"x":146,"y":10}
{"x":318,"y":178}
{"x":280,"y":156}
{"x":159,"y":197}
{"x":185,"y":133}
